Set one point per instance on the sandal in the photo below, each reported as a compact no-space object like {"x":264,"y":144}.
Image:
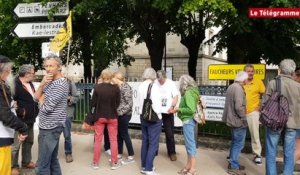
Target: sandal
{"x":183,"y":171}
{"x":191,"y":173}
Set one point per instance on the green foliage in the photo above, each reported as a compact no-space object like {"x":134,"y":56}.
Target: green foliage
{"x":250,"y":40}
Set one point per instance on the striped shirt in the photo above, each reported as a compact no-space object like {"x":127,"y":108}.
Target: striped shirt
{"x":53,"y":111}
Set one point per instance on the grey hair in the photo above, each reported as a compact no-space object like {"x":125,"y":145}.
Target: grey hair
{"x":241,"y":76}
{"x":186,"y":81}
{"x":161,"y":74}
{"x":25,"y":68}
{"x":5,"y":64}
{"x":54,"y":57}
{"x":287,"y":66}
{"x":248,"y":65}
{"x":149,"y":73}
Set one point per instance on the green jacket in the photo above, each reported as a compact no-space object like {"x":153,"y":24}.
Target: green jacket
{"x":187,"y":106}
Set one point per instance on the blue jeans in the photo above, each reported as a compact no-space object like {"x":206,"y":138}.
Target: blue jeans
{"x":48,"y":141}
{"x":272,"y":138}
{"x":150,"y":140}
{"x":237,"y":144}
{"x":189,"y":137}
{"x":67,"y":135}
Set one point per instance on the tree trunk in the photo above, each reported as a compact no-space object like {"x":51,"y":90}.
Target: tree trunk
{"x":156,"y":51}
{"x":86,"y":49}
{"x":192,"y":43}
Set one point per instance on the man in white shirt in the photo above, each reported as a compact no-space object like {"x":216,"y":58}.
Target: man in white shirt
{"x":169,"y":97}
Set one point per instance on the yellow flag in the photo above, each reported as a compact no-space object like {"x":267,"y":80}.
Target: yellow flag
{"x":63,"y":35}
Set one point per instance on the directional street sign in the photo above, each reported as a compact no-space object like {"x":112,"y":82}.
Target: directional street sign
{"x":25,"y":10}
{"x":37,"y":30}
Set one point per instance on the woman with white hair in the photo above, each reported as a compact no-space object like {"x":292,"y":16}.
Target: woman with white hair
{"x":187,"y":108}
{"x":234,"y":116}
{"x":150,"y":130}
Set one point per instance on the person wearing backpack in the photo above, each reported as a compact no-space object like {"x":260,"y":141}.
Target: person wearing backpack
{"x":254,"y":89}
{"x":234,"y":116}
{"x":290,"y":89}
{"x":296,"y":77}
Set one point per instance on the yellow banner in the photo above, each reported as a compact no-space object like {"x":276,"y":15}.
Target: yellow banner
{"x":63,"y":35}
{"x":229,"y":71}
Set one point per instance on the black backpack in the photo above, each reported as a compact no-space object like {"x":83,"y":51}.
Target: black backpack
{"x":275,"y":112}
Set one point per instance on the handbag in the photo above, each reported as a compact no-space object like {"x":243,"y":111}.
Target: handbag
{"x":199,"y":115}
{"x":148,"y":113}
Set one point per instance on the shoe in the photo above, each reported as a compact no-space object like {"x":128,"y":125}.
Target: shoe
{"x":151,"y":173}
{"x":228,"y":158}
{"x":257,"y":160}
{"x":69,"y":158}
{"x":191,"y":173}
{"x":31,"y":165}
{"x":242,"y":167}
{"x":143,"y":171}
{"x":173,"y":157}
{"x":119,"y":158}
{"x":95,"y":166}
{"x":236,"y":172}
{"x":128,"y":160}
{"x":15,"y":171}
{"x":183,"y":171}
{"x":108,"y":152}
{"x":115,"y":166}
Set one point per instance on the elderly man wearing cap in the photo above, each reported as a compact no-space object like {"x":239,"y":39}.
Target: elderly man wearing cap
{"x":234,"y":116}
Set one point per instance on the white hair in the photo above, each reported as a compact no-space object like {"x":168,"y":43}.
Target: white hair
{"x":149,"y":73}
{"x":241,"y":76}
{"x":287,"y":66}
{"x":186,"y":81}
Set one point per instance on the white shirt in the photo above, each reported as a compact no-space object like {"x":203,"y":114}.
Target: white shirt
{"x":155,"y":97}
{"x":168,"y":91}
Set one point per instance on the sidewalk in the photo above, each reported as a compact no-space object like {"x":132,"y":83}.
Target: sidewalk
{"x":209,"y":162}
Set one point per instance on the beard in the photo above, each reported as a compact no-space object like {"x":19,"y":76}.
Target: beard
{"x":10,"y":82}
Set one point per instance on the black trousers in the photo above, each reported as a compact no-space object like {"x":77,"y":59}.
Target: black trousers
{"x":106,"y":139}
{"x":168,"y":123}
{"x":123,"y":135}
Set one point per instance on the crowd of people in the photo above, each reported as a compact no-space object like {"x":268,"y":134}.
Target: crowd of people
{"x":111,"y":108}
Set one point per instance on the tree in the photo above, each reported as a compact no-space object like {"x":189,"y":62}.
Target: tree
{"x":21,"y":51}
{"x":193,"y":18}
{"x":250,"y":40}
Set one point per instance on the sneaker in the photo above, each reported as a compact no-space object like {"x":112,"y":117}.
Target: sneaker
{"x":151,"y":173}
{"x":236,"y":172}
{"x":15,"y":171}
{"x":258,"y":160}
{"x":108,"y":152}
{"x":143,"y":171}
{"x":95,"y":166}
{"x":173,"y":157}
{"x":115,"y":166}
{"x":69,"y":158}
{"x":128,"y":160}
{"x":119,"y":158}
